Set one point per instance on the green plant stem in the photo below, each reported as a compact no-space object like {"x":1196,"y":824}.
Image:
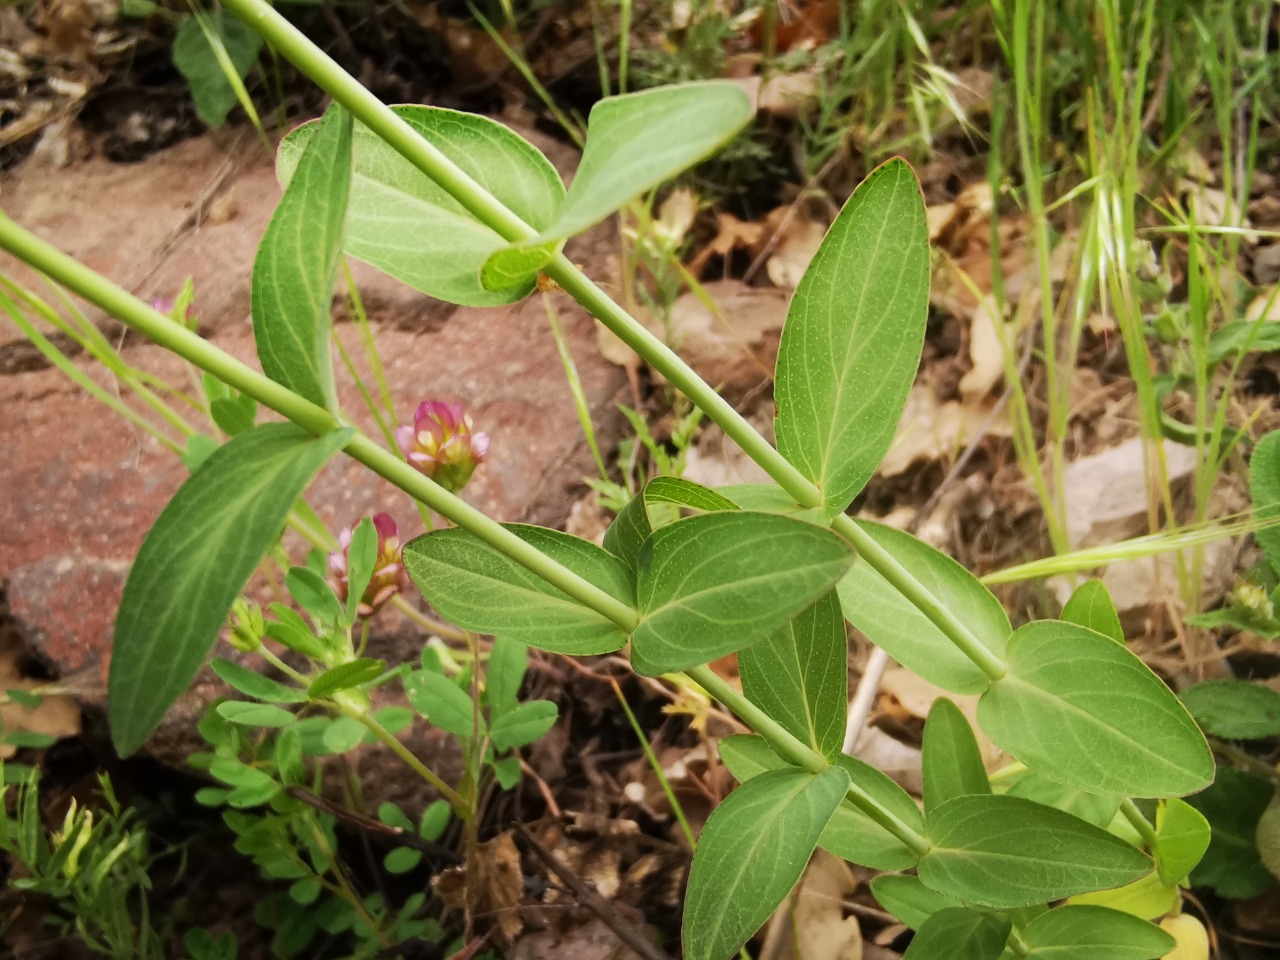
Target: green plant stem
{"x":1230,"y":751}
{"x":486,"y":208}
{"x":454,"y":799}
{"x":1139,"y":822}
{"x":793,"y":750}
{"x":163,"y":331}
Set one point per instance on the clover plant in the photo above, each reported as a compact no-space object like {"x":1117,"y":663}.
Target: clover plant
{"x":462,"y":208}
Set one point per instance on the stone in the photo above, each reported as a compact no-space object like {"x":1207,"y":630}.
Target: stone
{"x":80,"y":486}
{"x":1107,"y":491}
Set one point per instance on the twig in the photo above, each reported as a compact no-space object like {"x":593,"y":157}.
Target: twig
{"x":864,"y":697}
{"x":405,"y":837}
{"x":597,"y":904}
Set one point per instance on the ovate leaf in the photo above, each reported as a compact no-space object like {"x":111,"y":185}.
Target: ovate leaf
{"x":853,"y":336}
{"x":523,"y":725}
{"x":686,"y":493}
{"x":403,"y":223}
{"x":441,"y":701}
{"x":713,"y":584}
{"x":1233,"y":806}
{"x":508,"y":663}
{"x":1234,"y":709}
{"x":1182,"y":836}
{"x":194,"y":562}
{"x":517,"y":267}
{"x":249,"y":714}
{"x":1146,"y":898}
{"x":638,"y":141}
{"x":751,"y":853}
{"x":1098,"y":809}
{"x":292,"y":291}
{"x":1079,"y":708}
{"x":799,"y":675}
{"x":851,"y":834}
{"x":890,"y":621}
{"x":1094,"y":933}
{"x":1264,"y":483}
{"x":482,"y":589}
{"x":1091,"y":606}
{"x":1007,"y":852}
{"x":958,"y":933}
{"x":194,"y":56}
{"x":908,"y":899}
{"x":633,"y":524}
{"x":951,"y":761}
{"x":345,"y":676}
{"x":253,"y":684}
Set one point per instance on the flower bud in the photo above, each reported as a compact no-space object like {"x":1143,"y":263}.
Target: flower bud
{"x":443,"y":444}
{"x":389,"y":576}
{"x":247,"y":625}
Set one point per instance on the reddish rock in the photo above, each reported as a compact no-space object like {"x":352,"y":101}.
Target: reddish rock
{"x":80,"y":486}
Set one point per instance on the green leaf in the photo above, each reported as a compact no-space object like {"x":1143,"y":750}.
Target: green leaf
{"x":248,"y":714}
{"x":1091,"y":606}
{"x":440,"y":700}
{"x":1094,"y":933}
{"x":523,"y":725}
{"x":1234,"y":709}
{"x":250,"y":786}
{"x":751,"y":853}
{"x":508,"y":662}
{"x":1233,"y":806}
{"x":194,"y":562}
{"x":403,"y":223}
{"x":1264,"y":483}
{"x":714,"y":584}
{"x":686,"y":493}
{"x":1079,"y":708}
{"x":1094,"y":808}
{"x":199,"y":449}
{"x":1003,"y":851}
{"x":908,"y":899}
{"x":481,"y":589}
{"x":1182,"y":837}
{"x":233,"y":416}
{"x":253,"y":684}
{"x":958,"y":933}
{"x":629,"y":530}
{"x":291,"y":630}
{"x":1268,"y":838}
{"x":851,"y":834}
{"x":799,"y":675}
{"x":362,"y":557}
{"x":293,"y":273}
{"x":401,"y":860}
{"x":771,"y":498}
{"x":345,"y":676}
{"x":638,"y":141}
{"x":313,"y":594}
{"x":890,"y":621}
{"x":853,"y":337}
{"x":951,"y":759}
{"x":1146,"y":899}
{"x":339,"y":735}
{"x":518,"y":266}
{"x":212,"y":92}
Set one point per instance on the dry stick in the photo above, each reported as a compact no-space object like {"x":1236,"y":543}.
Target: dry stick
{"x":869,"y":684}
{"x":405,"y":837}
{"x":597,"y":904}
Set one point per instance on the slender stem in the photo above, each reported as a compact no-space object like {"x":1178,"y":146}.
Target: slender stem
{"x":655,"y":764}
{"x":1237,"y":756}
{"x":1139,"y":822}
{"x":888,"y":567}
{"x":162,"y":330}
{"x":486,"y":208}
{"x":792,"y":749}
{"x":460,"y":806}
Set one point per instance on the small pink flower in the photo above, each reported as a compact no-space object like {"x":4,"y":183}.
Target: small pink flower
{"x":443,"y":444}
{"x":389,"y":576}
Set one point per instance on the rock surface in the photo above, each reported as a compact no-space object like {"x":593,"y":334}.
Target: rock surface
{"x":80,"y":486}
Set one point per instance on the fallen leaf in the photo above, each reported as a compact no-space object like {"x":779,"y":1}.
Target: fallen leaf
{"x":813,"y":925}
{"x":494,"y":888}
{"x":986,"y":352}
{"x":731,"y":234}
{"x":929,"y":430}
{"x":784,"y":95}
{"x":55,"y":716}
{"x":676,"y":215}
{"x":917,"y":697}
{"x":797,"y":244}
